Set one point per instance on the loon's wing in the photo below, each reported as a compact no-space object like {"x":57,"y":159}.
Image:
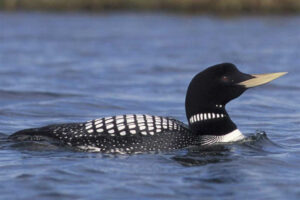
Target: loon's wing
{"x":123,"y":133}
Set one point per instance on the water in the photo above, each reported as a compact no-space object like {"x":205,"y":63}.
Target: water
{"x":57,"y":68}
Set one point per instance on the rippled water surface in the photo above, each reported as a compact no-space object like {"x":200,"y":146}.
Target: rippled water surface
{"x":57,"y":68}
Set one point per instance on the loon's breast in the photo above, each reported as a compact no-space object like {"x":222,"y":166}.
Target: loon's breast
{"x":122,"y":134}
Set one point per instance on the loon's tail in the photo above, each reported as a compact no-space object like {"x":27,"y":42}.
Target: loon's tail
{"x":32,"y":134}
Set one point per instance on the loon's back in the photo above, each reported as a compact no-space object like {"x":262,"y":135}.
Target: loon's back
{"x":122,"y":134}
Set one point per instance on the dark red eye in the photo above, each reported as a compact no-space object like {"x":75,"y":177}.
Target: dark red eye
{"x":225,"y":78}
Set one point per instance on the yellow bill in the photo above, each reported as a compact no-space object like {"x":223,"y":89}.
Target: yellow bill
{"x":260,"y":79}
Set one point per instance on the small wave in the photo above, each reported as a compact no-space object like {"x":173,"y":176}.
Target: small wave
{"x":254,"y":145}
{"x":261,"y":143}
{"x":34,"y":146}
{"x":32,"y":94}
{"x":165,"y":69}
{"x":37,"y":146}
{"x":260,"y":138}
{"x":3,"y":135}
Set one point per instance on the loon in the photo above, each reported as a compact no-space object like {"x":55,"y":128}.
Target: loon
{"x":208,"y":122}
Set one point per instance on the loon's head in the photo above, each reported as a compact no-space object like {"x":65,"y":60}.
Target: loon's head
{"x":209,"y":92}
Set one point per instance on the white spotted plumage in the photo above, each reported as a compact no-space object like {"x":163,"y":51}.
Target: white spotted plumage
{"x":124,"y":125}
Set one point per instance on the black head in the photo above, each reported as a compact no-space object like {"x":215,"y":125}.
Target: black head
{"x":216,"y":85}
{"x":209,"y":92}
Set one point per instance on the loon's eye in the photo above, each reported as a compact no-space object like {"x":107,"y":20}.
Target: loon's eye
{"x":225,"y":78}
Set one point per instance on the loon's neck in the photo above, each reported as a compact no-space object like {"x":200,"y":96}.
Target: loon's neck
{"x":211,"y":120}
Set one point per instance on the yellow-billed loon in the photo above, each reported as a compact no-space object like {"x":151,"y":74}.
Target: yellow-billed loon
{"x":208,"y":122}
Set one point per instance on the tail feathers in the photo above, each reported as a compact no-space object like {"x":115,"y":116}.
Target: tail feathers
{"x":33,"y":134}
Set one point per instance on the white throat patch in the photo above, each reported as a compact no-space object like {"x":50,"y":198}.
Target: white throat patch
{"x":233,"y":136}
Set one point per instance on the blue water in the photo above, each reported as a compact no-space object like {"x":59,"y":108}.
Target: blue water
{"x":57,"y":68}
